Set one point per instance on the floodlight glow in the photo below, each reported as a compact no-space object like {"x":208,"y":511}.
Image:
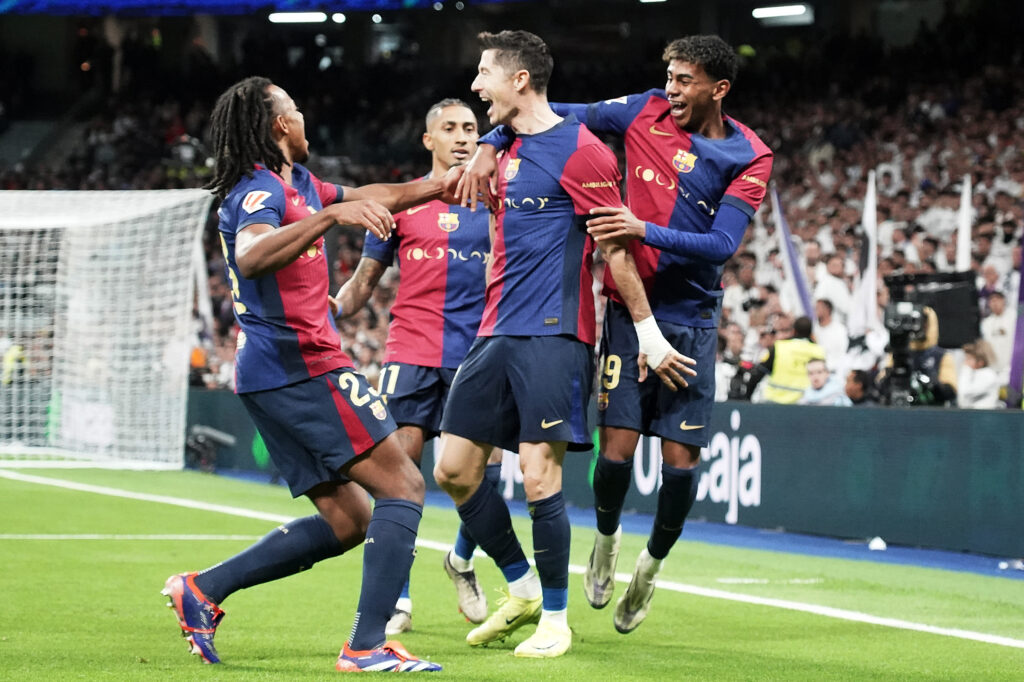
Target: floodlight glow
{"x":338,"y":18}
{"x":779,"y":11}
{"x":297,"y":17}
{"x":376,"y":18}
{"x":647,"y":2}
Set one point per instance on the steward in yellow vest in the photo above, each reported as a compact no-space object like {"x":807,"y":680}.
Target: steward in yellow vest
{"x":785,"y":363}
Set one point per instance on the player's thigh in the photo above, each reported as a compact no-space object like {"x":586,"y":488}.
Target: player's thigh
{"x":386,"y":471}
{"x":479,"y":406}
{"x":684,"y":416}
{"x":460,"y":461}
{"x":314,"y":428}
{"x":551,"y":379}
{"x":618,"y":444}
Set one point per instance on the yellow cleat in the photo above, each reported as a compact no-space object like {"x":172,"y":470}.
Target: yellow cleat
{"x":550,"y":640}
{"x":512,"y":614}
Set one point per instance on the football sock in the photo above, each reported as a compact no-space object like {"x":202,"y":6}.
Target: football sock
{"x":405,"y":592}
{"x":284,"y":551}
{"x":464,"y":544}
{"x":387,"y":557}
{"x":611,"y":482}
{"x":678,"y":490}
{"x":551,"y":535}
{"x":556,"y":617}
{"x":486,"y":517}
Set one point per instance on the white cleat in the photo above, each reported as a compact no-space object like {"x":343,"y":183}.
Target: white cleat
{"x":550,"y":640}
{"x":401,"y":621}
{"x":599,"y":578}
{"x":472,"y":602}
{"x":632,"y":607}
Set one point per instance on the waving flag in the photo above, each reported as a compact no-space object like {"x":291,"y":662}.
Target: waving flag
{"x":791,"y":258}
{"x":864,"y":310}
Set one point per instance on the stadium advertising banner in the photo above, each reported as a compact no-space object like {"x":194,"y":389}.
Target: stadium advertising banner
{"x":950,"y":479}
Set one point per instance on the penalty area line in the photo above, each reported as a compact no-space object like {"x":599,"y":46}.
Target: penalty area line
{"x":826,"y":611}
{"x":102,"y":536}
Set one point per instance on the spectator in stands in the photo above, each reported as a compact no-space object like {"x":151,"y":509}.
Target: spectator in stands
{"x":833,"y":286}
{"x":978,"y":383}
{"x":998,"y":328}
{"x":830,"y":334}
{"x":824,"y":388}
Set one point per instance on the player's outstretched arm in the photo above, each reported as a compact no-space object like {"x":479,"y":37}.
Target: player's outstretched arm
{"x":656,"y":352}
{"x":479,"y":182}
{"x":399,"y":196}
{"x":262,"y":249}
{"x":354,"y":293}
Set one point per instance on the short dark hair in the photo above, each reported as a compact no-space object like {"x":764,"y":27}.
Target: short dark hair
{"x":435,"y":109}
{"x":802,"y":327}
{"x":711,"y":52}
{"x":521,"y":50}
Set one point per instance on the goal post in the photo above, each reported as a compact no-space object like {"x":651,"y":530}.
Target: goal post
{"x":96,"y":326}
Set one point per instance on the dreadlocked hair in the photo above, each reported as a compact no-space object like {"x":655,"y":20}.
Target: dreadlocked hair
{"x":240,"y":131}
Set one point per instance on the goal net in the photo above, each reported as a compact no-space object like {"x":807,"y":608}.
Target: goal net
{"x":96,"y":296}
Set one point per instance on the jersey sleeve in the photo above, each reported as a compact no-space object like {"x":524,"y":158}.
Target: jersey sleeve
{"x":716,"y":246}
{"x":262,"y":203}
{"x":382,"y":250}
{"x":609,"y":116}
{"x":591,"y":178}
{"x":500,"y":137}
{"x":748,"y":189}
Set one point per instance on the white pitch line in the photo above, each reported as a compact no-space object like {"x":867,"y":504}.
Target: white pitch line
{"x":97,"y":536}
{"x":826,"y":611}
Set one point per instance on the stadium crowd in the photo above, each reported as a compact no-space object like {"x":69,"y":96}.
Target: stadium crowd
{"x":923,"y":117}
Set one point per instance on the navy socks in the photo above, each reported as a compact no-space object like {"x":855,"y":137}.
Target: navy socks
{"x":678,"y":490}
{"x":611,"y":483}
{"x":551,"y":535}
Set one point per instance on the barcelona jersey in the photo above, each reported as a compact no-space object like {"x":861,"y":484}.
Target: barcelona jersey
{"x":442,"y":253}
{"x":287,"y":331}
{"x":679,"y":180}
{"x":541,"y":282}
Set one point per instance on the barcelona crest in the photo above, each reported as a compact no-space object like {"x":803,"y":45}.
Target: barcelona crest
{"x":512,"y":168}
{"x":377,"y":408}
{"x":684,"y":161}
{"x":602,"y":400}
{"x":449,"y":222}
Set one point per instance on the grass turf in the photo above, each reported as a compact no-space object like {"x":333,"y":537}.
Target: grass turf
{"x":90,"y":609}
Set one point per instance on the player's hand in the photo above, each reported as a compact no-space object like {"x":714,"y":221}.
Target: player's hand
{"x":365,"y":213}
{"x":479,"y":182}
{"x":334,"y":305}
{"x":672,"y":371}
{"x":450,"y":182}
{"x":615,"y":223}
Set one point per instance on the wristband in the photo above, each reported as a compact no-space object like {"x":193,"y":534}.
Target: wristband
{"x":652,"y":343}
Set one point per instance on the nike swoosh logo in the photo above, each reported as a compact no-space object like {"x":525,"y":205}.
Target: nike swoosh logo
{"x":690,"y":427}
{"x":417,"y":209}
{"x":655,"y":131}
{"x":545,"y":424}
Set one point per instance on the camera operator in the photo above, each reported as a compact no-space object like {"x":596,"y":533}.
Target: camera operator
{"x":918,"y":371}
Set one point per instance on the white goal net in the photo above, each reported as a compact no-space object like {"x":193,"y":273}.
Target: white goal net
{"x":96,"y":296}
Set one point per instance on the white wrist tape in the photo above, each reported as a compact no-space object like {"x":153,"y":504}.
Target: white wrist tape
{"x":652,"y":343}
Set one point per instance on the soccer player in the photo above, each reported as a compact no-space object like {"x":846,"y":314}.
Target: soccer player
{"x":329,"y":435}
{"x":526,"y":380}
{"x":694,"y":179}
{"x":442,"y":252}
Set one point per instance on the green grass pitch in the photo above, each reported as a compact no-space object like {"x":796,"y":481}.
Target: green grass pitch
{"x":90,"y":609}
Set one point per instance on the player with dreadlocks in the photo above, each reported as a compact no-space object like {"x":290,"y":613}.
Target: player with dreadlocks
{"x":329,"y":435}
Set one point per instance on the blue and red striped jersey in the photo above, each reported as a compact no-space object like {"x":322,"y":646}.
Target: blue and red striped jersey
{"x":442,"y":252}
{"x":541,"y":281}
{"x":678,"y":180}
{"x":287,"y":333}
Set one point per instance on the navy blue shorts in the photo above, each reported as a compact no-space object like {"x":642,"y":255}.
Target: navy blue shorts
{"x":651,"y":408}
{"x":513,"y":389}
{"x":416,"y":395}
{"x":315,"y":427}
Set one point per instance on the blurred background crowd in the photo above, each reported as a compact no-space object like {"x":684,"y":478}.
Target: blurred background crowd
{"x":945,"y":104}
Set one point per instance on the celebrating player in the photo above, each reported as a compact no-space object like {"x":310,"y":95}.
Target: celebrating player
{"x":526,"y":380}
{"x":442,"y":252}
{"x":328,"y":434}
{"x":694,"y":179}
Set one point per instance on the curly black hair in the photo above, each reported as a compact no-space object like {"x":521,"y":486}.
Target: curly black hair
{"x":711,"y":52}
{"x":240,"y":131}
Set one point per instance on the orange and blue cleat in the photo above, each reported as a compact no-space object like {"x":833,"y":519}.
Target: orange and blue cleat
{"x":197,"y":615}
{"x":390,"y":657}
